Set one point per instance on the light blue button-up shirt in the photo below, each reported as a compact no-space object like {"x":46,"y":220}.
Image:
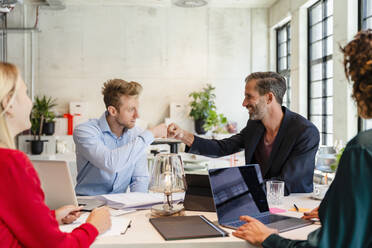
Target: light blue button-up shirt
{"x":107,"y":163}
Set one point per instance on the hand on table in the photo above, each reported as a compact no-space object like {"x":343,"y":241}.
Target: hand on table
{"x":100,"y":218}
{"x":253,"y":231}
{"x":313,"y":214}
{"x":67,"y":214}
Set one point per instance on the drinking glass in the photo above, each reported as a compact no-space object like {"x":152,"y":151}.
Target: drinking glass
{"x":275,"y":192}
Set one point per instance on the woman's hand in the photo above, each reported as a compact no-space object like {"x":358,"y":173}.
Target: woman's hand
{"x":100,"y":218}
{"x":253,"y":231}
{"x":67,"y":214}
{"x":313,"y":214}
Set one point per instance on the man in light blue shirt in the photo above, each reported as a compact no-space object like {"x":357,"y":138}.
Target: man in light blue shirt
{"x":111,"y":150}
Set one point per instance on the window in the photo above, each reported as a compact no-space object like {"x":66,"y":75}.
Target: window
{"x":320,"y":69}
{"x":3,"y":36}
{"x":283,"y":58}
{"x":365,"y":18}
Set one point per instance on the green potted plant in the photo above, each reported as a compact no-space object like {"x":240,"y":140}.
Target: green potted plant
{"x":215,"y":122}
{"x":42,"y":121}
{"x":42,"y":111}
{"x":203,"y":110}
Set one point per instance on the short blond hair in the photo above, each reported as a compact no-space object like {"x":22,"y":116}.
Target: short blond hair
{"x":113,"y":89}
{"x":8,"y":83}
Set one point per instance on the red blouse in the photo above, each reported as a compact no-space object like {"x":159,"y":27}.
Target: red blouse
{"x":25,"y":220}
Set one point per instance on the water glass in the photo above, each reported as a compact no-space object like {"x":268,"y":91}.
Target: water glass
{"x":275,"y":192}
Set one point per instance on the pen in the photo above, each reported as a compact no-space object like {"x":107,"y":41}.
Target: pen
{"x":128,"y":226}
{"x":295,"y":207}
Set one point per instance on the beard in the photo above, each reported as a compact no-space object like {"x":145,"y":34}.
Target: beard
{"x":125,"y":124}
{"x":258,"y":111}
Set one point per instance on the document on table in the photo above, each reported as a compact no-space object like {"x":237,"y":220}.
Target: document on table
{"x":119,"y":224}
{"x":137,"y":200}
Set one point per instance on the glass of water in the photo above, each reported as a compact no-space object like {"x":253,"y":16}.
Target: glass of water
{"x":275,"y":192}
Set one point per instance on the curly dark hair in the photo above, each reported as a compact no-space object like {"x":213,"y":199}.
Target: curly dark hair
{"x":358,"y":68}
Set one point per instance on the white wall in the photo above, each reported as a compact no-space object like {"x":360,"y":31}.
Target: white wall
{"x":344,"y":26}
{"x":171,"y":51}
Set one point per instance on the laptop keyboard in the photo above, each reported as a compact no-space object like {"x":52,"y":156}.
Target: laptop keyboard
{"x":237,"y":223}
{"x":264,"y":219}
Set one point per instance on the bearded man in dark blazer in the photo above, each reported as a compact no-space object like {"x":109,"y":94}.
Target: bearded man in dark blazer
{"x":282,"y":142}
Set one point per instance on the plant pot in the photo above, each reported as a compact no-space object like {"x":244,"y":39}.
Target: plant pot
{"x":199,"y":127}
{"x":37,"y":146}
{"x":48,"y":128}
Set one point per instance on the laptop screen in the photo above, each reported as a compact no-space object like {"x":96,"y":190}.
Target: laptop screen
{"x":238,"y":191}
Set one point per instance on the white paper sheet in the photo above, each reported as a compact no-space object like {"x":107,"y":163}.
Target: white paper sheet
{"x":119,"y":224}
{"x":137,"y":200}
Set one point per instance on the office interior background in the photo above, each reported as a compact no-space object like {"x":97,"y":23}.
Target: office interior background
{"x":66,"y":49}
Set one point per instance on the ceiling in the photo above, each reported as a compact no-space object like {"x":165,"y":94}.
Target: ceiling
{"x":167,"y":3}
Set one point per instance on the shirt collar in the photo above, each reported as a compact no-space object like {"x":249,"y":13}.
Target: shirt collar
{"x":102,"y":122}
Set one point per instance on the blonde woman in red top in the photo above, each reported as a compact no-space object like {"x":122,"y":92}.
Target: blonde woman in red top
{"x":25,"y":220}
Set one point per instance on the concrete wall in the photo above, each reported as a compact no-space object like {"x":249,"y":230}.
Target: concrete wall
{"x":171,"y":51}
{"x":344,"y":27}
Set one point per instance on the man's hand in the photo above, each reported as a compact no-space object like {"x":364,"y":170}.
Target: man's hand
{"x":67,"y":214}
{"x":159,"y":131}
{"x":313,"y":214}
{"x":253,"y":231}
{"x":174,"y":131}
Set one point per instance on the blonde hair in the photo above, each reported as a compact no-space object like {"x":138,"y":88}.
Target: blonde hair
{"x":113,"y":89}
{"x":8,"y":86}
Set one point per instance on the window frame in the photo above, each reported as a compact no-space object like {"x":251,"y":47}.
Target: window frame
{"x":286,"y":73}
{"x":323,"y":63}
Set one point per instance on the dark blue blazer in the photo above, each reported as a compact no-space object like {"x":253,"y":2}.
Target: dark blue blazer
{"x":292,"y":158}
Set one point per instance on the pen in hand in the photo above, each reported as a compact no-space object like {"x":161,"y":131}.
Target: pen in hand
{"x":296,"y":207}
{"x":126,"y":229}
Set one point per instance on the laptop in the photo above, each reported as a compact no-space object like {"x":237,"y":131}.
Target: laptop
{"x":240,"y":191}
{"x":57,"y":185}
{"x":198,"y":195}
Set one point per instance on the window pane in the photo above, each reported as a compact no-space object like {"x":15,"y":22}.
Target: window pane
{"x":316,"y":14}
{"x":317,"y":120}
{"x":329,"y":26}
{"x":282,"y":50}
{"x":329,"y":84}
{"x":316,"y":72}
{"x":329,"y":66}
{"x":329,"y":102}
{"x":368,"y":124}
{"x":316,"y":89}
{"x":329,"y":6}
{"x":282,"y":63}
{"x":329,"y":46}
{"x":316,"y":50}
{"x":329,"y":140}
{"x":282,"y":35}
{"x":368,"y":7}
{"x":369,"y":23}
{"x":316,"y":32}
{"x":316,"y":106}
{"x":329,"y":124}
